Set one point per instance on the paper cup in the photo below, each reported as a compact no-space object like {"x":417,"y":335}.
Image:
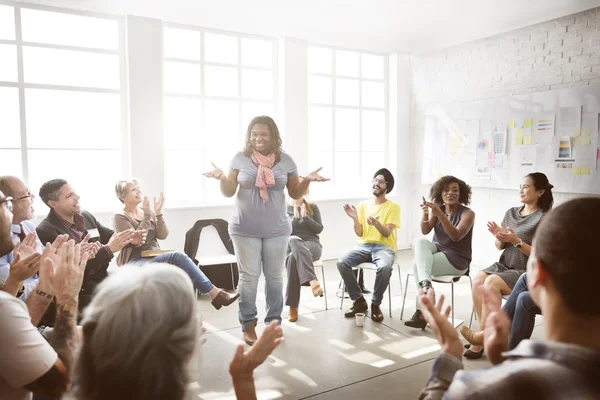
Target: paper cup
{"x":360,"y":319}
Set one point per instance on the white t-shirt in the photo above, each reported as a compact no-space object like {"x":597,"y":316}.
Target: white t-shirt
{"x":24,"y":354}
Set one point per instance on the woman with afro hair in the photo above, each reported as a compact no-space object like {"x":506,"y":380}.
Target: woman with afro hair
{"x":449,"y":253}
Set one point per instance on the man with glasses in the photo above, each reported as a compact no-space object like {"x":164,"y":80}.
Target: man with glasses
{"x":22,"y":229}
{"x":375,"y":223}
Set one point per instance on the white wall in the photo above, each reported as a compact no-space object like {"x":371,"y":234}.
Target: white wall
{"x":551,"y":55}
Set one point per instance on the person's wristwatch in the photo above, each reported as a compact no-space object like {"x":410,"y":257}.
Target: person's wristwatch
{"x":520,"y":244}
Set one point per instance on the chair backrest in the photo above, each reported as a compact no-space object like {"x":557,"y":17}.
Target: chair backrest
{"x":210,"y":243}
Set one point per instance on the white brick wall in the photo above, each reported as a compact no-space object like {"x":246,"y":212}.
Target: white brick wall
{"x":551,"y":55}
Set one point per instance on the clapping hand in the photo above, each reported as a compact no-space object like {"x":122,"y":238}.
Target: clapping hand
{"x":446,"y":334}
{"x":296,"y":212}
{"x":435,"y":209}
{"x":497,"y":328}
{"x":243,"y":364}
{"x":22,"y":268}
{"x":351,"y":211}
{"x":507,"y":235}
{"x":303,"y":212}
{"x":158,"y":204}
{"x":373,"y":220}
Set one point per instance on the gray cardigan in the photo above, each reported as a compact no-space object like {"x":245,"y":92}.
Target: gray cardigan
{"x":307,"y":228}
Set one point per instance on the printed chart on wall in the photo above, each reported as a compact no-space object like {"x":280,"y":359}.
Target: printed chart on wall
{"x":495,"y":142}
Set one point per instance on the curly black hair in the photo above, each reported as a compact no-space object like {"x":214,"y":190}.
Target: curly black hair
{"x":435,"y":193}
{"x":275,"y":136}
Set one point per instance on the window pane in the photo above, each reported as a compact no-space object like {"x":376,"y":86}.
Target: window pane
{"x":73,"y":68}
{"x":347,"y":130}
{"x":257,"y":84}
{"x":346,"y":92}
{"x":181,"y":191}
{"x":372,"y":66}
{"x":8,"y":63}
{"x":10,"y":163}
{"x":347,"y":169}
{"x":251,"y":110}
{"x":220,"y":48}
{"x":371,"y":162}
{"x":7,"y":23}
{"x":181,"y":43}
{"x":373,"y":131}
{"x":346,"y":63}
{"x":320,"y":129}
{"x":68,"y":29}
{"x":10,"y":127}
{"x":316,"y":159}
{"x":257,"y":53}
{"x":66,"y":119}
{"x":222,"y":125}
{"x":221,"y":81}
{"x":97,"y":190}
{"x":319,"y":90}
{"x":320,"y":60}
{"x":182,"y":78}
{"x":182,"y":123}
{"x":373,"y":94}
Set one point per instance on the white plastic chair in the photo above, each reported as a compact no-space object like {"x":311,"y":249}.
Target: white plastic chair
{"x":212,"y":251}
{"x":319,"y":264}
{"x":451,"y":279}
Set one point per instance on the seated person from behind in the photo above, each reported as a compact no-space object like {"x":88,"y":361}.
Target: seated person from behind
{"x":450,"y":251}
{"x":66,"y":217}
{"x":375,"y":224}
{"x":303,"y":249}
{"x":562,"y":276}
{"x":138,"y":215}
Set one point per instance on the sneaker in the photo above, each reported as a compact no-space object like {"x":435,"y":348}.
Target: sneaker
{"x":358,"y":306}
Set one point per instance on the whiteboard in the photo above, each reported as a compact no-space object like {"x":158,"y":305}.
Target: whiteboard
{"x":454,"y":145}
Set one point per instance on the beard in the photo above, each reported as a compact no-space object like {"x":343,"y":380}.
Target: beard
{"x":378,"y":192}
{"x":6,"y":245}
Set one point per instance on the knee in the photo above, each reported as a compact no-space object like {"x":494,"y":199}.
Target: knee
{"x":295,"y":241}
{"x":385,"y":270}
{"x":342,"y":265}
{"x":525,"y":302}
{"x":480,"y":278}
{"x":422,"y":243}
{"x":493,"y":283}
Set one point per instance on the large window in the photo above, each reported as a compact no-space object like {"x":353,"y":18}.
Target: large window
{"x":214,"y":84}
{"x":347,"y":115}
{"x":61,"y":101}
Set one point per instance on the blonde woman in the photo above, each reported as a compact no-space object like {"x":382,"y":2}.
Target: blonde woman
{"x":304,"y":247}
{"x":138,"y":214}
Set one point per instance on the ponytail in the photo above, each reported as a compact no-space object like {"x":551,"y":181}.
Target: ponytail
{"x":540,"y":181}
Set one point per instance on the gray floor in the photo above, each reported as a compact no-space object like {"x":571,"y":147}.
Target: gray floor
{"x":324,"y":355}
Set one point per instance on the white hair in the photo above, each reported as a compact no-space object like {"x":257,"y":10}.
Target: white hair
{"x":139,"y":333}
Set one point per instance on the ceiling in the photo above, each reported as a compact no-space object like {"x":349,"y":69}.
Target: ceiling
{"x":378,"y":25}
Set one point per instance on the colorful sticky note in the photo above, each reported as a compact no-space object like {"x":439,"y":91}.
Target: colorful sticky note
{"x":577,"y":141}
{"x":511,"y":124}
{"x":576,"y":170}
{"x":519,"y":132}
{"x":585,"y":141}
{"x":576,"y":134}
{"x":527,"y":139}
{"x":527,"y":123}
{"x":586,"y":133}
{"x":585,"y":170}
{"x":519,"y":141}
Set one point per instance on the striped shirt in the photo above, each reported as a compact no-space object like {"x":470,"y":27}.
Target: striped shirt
{"x":533,"y":370}
{"x":524,"y":227}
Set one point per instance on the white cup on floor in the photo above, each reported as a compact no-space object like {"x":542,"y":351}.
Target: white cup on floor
{"x":360,"y":319}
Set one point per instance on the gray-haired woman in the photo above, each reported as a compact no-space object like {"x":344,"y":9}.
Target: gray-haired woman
{"x":139,"y":334}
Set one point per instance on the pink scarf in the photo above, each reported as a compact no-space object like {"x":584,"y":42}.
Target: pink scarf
{"x":264,"y":177}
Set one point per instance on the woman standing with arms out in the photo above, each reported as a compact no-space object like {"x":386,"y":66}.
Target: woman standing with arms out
{"x":303,"y":249}
{"x":514,"y":237}
{"x":260,"y":227}
{"x":450,"y":251}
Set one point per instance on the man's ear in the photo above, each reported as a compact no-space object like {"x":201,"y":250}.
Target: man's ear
{"x":52,"y":203}
{"x":537,"y":275}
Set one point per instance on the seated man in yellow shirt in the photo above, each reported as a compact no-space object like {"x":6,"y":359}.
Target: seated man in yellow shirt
{"x":375,"y":223}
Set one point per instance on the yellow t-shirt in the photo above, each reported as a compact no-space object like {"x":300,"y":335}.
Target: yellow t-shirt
{"x":388,"y":213}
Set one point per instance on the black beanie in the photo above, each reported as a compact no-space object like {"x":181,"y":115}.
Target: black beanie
{"x":389,"y":178}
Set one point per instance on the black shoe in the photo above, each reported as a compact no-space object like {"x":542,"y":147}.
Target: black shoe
{"x":364,"y":290}
{"x":376,"y":314}
{"x":416,"y":321}
{"x":358,"y":306}
{"x":473,"y":355}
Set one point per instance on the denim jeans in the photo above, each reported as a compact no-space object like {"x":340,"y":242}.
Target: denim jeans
{"x":181,"y":260}
{"x":521,"y":309}
{"x":380,"y":255}
{"x":252,"y":254}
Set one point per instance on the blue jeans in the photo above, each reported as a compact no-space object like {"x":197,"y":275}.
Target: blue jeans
{"x":380,"y":255}
{"x":181,"y":260}
{"x":252,"y":253}
{"x":522,"y":310}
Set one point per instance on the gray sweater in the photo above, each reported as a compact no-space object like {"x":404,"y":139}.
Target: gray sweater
{"x":307,"y":228}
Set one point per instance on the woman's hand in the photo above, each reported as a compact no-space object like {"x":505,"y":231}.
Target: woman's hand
{"x":508,"y":236}
{"x":494,"y":228}
{"x":158,"y":204}
{"x":296,"y":212}
{"x":315,"y":177}
{"x":303,"y":212}
{"x":435,"y":209}
{"x":216,"y":173}
{"x":146,"y":206}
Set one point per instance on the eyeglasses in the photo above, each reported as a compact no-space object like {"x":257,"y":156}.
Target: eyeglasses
{"x":29,"y":194}
{"x":380,"y":181}
{"x":7,"y":203}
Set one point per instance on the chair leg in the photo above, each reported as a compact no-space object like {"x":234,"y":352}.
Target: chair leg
{"x":232,"y":276}
{"x":404,"y":296}
{"x":400,"y":278}
{"x":473,"y":309}
{"x":343,"y":291}
{"x":390,"y":297}
{"x":324,"y":285}
{"x":452,"y":289}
